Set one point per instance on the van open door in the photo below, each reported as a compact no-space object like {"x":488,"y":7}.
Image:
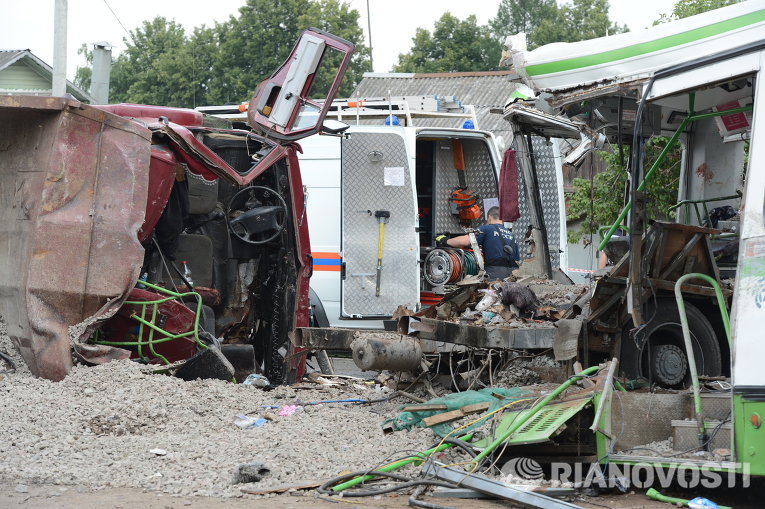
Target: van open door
{"x":292,"y":103}
{"x":380,"y":242}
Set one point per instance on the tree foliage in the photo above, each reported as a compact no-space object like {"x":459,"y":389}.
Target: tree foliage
{"x":544,"y":22}
{"x":83,"y":75}
{"x":455,"y":45}
{"x":578,"y":21}
{"x":224,"y":63}
{"x":515,"y":16}
{"x":685,"y":8}
{"x":600,"y":203}
{"x":156,"y":67}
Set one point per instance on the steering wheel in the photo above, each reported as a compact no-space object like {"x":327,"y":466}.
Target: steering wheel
{"x":256,"y":214}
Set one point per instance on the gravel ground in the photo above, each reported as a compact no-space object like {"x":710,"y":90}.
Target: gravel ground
{"x":97,"y":428}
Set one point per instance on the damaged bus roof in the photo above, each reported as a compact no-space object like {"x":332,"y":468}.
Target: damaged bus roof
{"x":633,"y":56}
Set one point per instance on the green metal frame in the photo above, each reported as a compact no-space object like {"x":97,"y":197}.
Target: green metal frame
{"x":695,"y":203}
{"x":165,"y":336}
{"x":692,"y":117}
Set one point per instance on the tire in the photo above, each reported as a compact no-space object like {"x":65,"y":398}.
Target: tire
{"x":657,"y":352}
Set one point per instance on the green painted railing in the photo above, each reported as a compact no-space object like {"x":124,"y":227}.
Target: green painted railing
{"x":687,"y":338}
{"x":148,"y":339}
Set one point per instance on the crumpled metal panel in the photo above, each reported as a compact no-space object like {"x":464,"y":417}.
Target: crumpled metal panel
{"x":73,"y":188}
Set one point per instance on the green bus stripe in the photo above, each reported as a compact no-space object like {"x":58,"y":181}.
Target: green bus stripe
{"x":647,"y":47}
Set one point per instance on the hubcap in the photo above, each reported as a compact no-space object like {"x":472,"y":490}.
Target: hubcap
{"x":669,"y":364}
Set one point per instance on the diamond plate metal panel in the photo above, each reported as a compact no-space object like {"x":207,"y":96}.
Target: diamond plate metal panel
{"x":364,"y":192}
{"x":548,"y":189}
{"x":480,"y":176}
{"x":641,"y":418}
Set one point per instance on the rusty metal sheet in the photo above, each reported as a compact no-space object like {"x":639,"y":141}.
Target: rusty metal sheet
{"x":73,"y":187}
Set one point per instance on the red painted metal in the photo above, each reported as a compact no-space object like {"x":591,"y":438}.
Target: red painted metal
{"x":150,"y":114}
{"x":303,"y":255}
{"x":73,"y":186}
{"x":259,"y":120}
{"x":81,"y":187}
{"x":207,"y":163}
{"x":162,"y":172}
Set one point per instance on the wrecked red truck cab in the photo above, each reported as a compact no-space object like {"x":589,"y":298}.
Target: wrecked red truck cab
{"x":135,"y":231}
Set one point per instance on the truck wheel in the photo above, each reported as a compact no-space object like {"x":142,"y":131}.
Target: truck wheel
{"x":657,"y":352}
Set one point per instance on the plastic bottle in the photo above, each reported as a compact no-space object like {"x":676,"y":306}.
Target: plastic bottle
{"x":489,"y":298}
{"x":187,"y":273}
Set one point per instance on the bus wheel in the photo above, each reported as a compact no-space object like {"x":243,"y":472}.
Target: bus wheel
{"x":656,"y":352}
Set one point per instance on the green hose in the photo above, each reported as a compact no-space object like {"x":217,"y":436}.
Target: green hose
{"x":655,"y":495}
{"x":522,"y":420}
{"x":419,"y":458}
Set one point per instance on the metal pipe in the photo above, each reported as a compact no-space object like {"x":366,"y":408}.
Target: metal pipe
{"x":533,"y":411}
{"x":689,"y":345}
{"x":59,"y":49}
{"x":718,"y":293}
{"x":604,"y":394}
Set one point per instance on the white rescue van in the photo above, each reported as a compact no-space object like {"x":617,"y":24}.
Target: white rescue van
{"x":390,"y":185}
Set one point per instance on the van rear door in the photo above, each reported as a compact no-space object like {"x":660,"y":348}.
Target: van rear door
{"x":376,"y":177}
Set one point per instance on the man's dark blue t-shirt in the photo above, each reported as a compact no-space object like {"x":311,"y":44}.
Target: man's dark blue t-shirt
{"x":492,"y":239}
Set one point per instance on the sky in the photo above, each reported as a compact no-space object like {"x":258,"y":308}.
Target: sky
{"x":28,"y":24}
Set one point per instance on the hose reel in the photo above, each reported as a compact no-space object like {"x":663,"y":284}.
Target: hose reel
{"x":448,"y":265}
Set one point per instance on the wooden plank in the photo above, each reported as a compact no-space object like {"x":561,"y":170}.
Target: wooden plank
{"x":602,"y":308}
{"x":475,"y":408}
{"x":444,"y":417}
{"x":423,"y":408}
{"x":586,"y":382}
{"x":281,"y":488}
{"x":456,"y":414}
{"x":680,"y":257}
{"x":706,"y":291}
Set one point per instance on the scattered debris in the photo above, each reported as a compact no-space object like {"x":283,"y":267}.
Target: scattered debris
{"x":248,"y":422}
{"x":281,"y":488}
{"x":251,"y":472}
{"x":209,"y":363}
{"x":257,"y":380}
{"x":287,"y":410}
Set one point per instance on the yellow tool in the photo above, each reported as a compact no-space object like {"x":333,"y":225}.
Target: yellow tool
{"x":382,"y":218}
